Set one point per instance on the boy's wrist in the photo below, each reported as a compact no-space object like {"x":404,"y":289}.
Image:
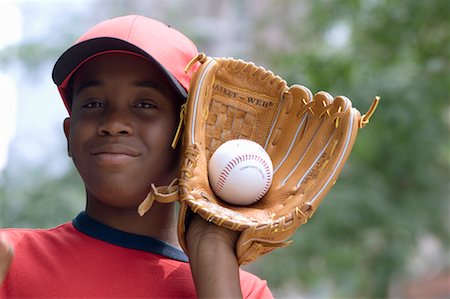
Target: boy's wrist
{"x":214,"y":265}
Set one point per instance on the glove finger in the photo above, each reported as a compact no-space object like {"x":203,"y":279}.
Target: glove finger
{"x":312,"y":136}
{"x":329,"y":148}
{"x":288,"y":124}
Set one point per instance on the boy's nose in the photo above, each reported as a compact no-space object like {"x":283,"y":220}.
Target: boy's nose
{"x":115,"y":123}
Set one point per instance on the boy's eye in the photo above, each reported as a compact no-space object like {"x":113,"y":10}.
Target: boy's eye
{"x":94,"y":104}
{"x":146,"y":105}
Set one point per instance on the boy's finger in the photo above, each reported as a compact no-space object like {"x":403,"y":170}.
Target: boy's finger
{"x":6,"y":255}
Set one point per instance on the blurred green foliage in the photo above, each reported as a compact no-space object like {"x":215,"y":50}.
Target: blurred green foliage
{"x":39,"y":199}
{"x":394,"y":189}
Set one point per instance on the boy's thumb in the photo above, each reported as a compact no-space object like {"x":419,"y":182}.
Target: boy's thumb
{"x":6,"y":255}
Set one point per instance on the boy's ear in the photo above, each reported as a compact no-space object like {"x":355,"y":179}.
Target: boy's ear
{"x":66,"y":126}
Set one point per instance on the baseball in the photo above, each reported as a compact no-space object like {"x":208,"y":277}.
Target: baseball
{"x":240,"y":172}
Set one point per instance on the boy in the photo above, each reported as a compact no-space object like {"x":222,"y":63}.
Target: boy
{"x":123,"y":83}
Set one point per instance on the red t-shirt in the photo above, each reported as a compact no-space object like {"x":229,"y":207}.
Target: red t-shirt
{"x":88,"y":259}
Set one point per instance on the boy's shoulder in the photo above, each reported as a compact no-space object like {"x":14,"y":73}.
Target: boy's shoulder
{"x":16,"y":235}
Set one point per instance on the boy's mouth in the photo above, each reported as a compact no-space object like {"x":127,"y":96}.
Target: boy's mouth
{"x":113,"y":154}
{"x":112,"y":159}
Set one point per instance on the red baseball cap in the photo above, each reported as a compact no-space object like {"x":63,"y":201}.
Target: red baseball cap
{"x":166,"y":47}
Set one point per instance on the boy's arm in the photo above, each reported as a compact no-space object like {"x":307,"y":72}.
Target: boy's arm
{"x":6,"y":255}
{"x":213,"y":261}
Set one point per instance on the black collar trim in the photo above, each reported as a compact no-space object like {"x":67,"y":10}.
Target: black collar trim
{"x":97,"y":230}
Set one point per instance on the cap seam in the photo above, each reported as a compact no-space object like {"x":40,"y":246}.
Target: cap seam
{"x":131,"y":28}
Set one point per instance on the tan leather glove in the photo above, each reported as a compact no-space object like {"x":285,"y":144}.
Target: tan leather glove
{"x":308,"y":139}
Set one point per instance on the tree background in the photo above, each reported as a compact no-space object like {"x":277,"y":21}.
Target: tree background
{"x":383,"y":230}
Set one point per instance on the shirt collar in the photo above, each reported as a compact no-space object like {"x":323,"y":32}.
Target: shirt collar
{"x":87,"y":225}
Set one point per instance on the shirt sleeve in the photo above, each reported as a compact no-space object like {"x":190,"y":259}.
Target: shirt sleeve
{"x":253,"y":287}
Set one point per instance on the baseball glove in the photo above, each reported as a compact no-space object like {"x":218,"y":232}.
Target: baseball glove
{"x":308,"y":139}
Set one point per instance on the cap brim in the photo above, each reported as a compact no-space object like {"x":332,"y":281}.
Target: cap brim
{"x":77,"y":54}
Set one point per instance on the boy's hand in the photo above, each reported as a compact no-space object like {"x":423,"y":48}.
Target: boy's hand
{"x":200,"y":231}
{"x":6,"y":255}
{"x":213,"y":260}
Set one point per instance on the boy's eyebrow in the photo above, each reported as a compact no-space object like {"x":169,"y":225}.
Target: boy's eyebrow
{"x":148,"y":84}
{"x":87,"y":84}
{"x":139,"y":83}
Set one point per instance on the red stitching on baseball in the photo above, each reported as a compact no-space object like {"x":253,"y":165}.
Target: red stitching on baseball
{"x":233,"y":163}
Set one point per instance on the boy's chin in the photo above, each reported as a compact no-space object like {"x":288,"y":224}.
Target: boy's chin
{"x":120,"y":199}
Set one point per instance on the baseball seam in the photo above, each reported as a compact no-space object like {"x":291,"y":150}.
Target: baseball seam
{"x":224,"y":174}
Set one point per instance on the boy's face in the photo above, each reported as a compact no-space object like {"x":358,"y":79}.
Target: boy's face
{"x":124,"y":116}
